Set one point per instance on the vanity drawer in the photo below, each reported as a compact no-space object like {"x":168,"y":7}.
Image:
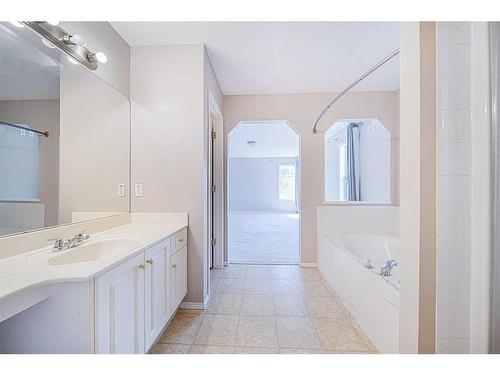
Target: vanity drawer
{"x":178,"y":240}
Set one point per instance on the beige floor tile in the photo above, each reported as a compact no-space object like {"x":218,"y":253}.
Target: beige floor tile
{"x":234,"y":271}
{"x":217,"y":330}
{"x":252,"y":350}
{"x":224,"y":304}
{"x":297,"y":333}
{"x":183,"y":328}
{"x":338,"y":334}
{"x":313,"y":287}
{"x":170,"y":349}
{"x":230,"y":286}
{"x":211,"y":349}
{"x":257,"y":331}
{"x":213,"y":286}
{"x":215,"y":273}
{"x":301,"y":351}
{"x":369,"y":344}
{"x":259,"y":272}
{"x":282,"y":273}
{"x":307,"y":273}
{"x":285,"y":287}
{"x":323,"y":307}
{"x":289,"y":305}
{"x":257,"y":304}
{"x":257,"y":286}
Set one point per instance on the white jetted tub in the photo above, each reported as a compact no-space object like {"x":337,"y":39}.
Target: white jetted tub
{"x":351,"y":263}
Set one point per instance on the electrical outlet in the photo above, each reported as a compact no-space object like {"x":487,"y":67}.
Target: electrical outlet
{"x":22,"y":132}
{"x":31,"y":134}
{"x":138,"y":190}
{"x":121,"y":190}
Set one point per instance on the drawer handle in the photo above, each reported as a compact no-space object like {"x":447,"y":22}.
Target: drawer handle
{"x":174,"y":265}
{"x":181,"y":239}
{"x":150,"y":261}
{"x":142,"y":266}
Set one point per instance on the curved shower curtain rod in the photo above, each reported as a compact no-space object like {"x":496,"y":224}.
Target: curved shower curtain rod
{"x":348,"y":88}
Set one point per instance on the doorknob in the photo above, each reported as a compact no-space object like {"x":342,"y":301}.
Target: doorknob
{"x":142,"y":266}
{"x":150,"y":261}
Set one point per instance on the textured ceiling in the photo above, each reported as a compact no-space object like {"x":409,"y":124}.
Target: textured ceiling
{"x":283,"y":57}
{"x":268,"y":139}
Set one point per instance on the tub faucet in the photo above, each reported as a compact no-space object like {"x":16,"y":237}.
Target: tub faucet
{"x":386,"y":269}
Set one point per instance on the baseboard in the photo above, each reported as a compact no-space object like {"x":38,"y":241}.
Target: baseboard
{"x":193,"y":305}
{"x":305,"y":264}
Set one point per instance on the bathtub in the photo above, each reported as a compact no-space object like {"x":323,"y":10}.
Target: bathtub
{"x":350,"y":263}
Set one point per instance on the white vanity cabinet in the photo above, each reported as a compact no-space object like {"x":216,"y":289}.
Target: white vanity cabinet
{"x":135,"y":300}
{"x":157,"y":308}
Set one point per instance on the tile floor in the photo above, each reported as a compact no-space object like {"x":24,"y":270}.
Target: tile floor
{"x":264,"y":309}
{"x":263,"y":237}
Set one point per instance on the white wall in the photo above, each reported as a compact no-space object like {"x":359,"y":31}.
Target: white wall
{"x":254,"y":184}
{"x":169,"y":94}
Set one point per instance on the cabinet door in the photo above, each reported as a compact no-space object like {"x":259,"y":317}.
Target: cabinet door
{"x":178,"y":277}
{"x":157,"y":306}
{"x":120,"y":308}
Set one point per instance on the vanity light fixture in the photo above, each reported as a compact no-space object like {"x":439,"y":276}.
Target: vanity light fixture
{"x":72,"y":45}
{"x":99,"y":57}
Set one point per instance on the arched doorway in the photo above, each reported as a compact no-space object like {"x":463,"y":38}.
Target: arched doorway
{"x":263,"y":171}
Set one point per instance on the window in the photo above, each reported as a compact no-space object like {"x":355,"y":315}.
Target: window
{"x":287,"y":182}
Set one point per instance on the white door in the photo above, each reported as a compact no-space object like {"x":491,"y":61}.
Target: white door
{"x":120,"y":308}
{"x":157,"y":306}
{"x":178,"y":277}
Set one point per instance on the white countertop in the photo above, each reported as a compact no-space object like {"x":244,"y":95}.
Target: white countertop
{"x":32,"y":268}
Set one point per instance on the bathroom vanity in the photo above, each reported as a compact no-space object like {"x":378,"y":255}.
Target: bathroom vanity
{"x":115,"y":293}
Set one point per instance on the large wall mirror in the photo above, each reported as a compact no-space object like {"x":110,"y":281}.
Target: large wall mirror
{"x":64,"y":138}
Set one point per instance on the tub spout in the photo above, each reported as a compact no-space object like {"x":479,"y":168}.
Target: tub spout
{"x":386,"y":269}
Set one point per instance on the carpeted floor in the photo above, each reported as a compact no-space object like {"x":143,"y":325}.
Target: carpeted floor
{"x":263,"y":237}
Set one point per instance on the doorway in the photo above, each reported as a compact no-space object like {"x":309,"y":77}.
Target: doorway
{"x":263,"y":173}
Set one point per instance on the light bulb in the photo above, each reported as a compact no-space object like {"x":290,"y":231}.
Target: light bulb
{"x":101,"y":57}
{"x":72,"y":60}
{"x":17,"y":24}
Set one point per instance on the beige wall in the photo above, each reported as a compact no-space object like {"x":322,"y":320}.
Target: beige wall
{"x":418,"y":188}
{"x":41,"y":115}
{"x":169,"y":86}
{"x":94,"y":145}
{"x":301,"y":110}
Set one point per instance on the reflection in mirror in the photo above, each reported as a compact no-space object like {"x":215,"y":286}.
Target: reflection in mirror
{"x":76,"y":170}
{"x":358,"y":162}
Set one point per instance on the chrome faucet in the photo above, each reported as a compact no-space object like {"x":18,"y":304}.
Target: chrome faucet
{"x":77,"y":239}
{"x":386,"y":269}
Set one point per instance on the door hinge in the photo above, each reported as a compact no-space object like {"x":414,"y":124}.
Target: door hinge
{"x":213,"y":134}
{"x":213,"y":242}
{"x":213,"y":188}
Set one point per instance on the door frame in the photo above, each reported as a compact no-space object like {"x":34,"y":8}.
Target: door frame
{"x":216,"y":123}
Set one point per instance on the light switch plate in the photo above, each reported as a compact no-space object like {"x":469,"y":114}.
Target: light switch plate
{"x":138,"y":190}
{"x":121,"y":190}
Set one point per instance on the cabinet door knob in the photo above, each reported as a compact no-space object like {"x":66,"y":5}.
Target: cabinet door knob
{"x":142,"y":266}
{"x":150,"y":261}
{"x":174,"y":265}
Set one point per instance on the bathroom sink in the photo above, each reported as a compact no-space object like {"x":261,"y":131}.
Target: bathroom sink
{"x":93,"y":251}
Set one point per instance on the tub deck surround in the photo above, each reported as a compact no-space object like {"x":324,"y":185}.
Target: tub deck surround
{"x":372,"y":299}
